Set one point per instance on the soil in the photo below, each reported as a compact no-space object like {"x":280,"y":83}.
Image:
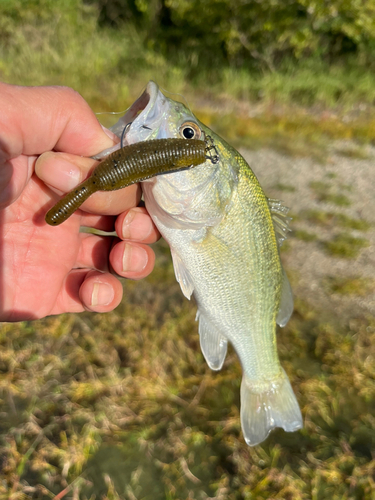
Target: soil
{"x":298,"y":182}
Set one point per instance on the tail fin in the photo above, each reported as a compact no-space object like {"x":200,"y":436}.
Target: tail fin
{"x":263,"y":409}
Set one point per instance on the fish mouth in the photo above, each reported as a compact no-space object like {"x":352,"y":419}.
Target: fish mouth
{"x":142,"y":121}
{"x":144,"y":103}
{"x":140,"y":116}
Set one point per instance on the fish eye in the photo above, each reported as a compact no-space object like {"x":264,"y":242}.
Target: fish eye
{"x":190,"y":130}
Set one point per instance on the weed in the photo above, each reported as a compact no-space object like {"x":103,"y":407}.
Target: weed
{"x":284,"y":187}
{"x":337,"y":199}
{"x":318,"y":217}
{"x":285,"y":247}
{"x":325,"y":193}
{"x":331,"y":175}
{"x":354,"y":151}
{"x":346,"y":246}
{"x":349,"y":223}
{"x":300,"y":234}
{"x":331,"y":219}
{"x":355,"y":285}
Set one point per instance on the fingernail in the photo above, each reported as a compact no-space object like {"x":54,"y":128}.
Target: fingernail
{"x":64,"y":176}
{"x":136,"y":226}
{"x":110,"y":134}
{"x":102,"y":294}
{"x":134,"y":259}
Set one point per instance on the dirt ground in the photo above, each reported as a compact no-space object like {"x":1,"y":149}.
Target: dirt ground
{"x":303,"y":185}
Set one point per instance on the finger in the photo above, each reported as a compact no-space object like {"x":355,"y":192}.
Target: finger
{"x":103,"y":222}
{"x":132,"y":260}
{"x":57,"y":118}
{"x":88,"y":290}
{"x":100,"y":292}
{"x":62,"y":172}
{"x":136,"y":225}
{"x":93,"y":252}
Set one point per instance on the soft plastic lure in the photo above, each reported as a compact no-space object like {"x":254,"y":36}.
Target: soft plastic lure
{"x":132,"y":164}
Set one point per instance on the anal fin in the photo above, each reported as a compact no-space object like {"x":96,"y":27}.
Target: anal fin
{"x":213,"y":344}
{"x":286,"y":302}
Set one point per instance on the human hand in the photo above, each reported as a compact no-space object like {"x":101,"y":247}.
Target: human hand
{"x":51,"y":270}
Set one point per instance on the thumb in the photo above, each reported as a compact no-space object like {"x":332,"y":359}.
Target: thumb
{"x":39,"y":119}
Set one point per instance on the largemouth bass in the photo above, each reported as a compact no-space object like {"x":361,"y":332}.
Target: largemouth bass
{"x":224,"y":235}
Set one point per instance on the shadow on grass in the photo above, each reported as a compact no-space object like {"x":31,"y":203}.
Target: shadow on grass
{"x":152,"y":473}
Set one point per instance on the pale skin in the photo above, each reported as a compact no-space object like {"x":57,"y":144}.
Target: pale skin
{"x":47,"y":135}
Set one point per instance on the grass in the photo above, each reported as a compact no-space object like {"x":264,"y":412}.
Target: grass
{"x":290,"y":132}
{"x":354,"y":151}
{"x":349,"y":223}
{"x":326,"y":193}
{"x":331,"y":219}
{"x":55,"y":45}
{"x":122,"y":405}
{"x":284,"y":187}
{"x":300,"y":234}
{"x":346,"y":246}
{"x":355,"y":285}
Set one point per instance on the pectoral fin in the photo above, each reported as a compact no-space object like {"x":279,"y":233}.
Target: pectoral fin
{"x":286,"y":302}
{"x":213,"y":344}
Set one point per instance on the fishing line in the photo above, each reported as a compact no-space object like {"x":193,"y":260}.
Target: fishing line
{"x":112,"y":112}
{"x":117,"y":112}
{"x":184,"y":101}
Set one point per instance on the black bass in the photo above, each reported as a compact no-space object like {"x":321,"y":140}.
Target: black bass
{"x":224,"y":235}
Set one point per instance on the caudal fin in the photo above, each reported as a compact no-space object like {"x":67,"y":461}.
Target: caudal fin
{"x":263,"y":409}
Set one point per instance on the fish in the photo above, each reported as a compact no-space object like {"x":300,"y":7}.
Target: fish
{"x":224,"y":235}
{"x":129,"y":165}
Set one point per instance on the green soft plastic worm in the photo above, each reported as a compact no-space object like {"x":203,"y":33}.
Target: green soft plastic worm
{"x":130,"y":165}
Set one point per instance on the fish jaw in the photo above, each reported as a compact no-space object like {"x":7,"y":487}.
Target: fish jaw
{"x":148,"y":118}
{"x":152,"y":116}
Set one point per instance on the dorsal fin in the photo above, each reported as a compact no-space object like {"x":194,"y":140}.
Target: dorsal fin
{"x":280,"y":219}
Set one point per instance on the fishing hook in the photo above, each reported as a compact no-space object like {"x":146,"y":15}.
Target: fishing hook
{"x":125,"y":130}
